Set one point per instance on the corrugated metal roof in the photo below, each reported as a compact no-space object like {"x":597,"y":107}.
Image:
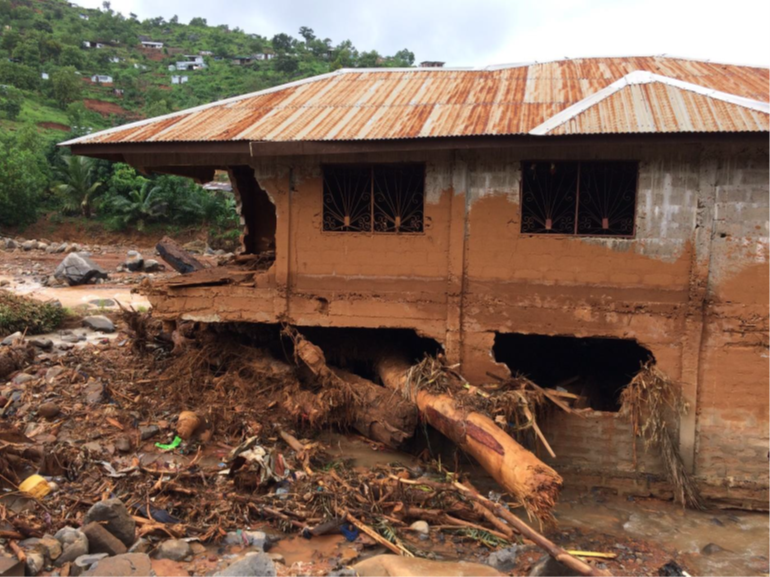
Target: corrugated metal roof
{"x":380,"y":104}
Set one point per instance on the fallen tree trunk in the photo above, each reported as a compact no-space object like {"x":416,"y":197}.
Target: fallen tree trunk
{"x":179,"y":259}
{"x":374,"y":411}
{"x":515,"y":468}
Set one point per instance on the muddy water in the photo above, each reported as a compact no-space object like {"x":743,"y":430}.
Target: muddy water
{"x":737,"y":540}
{"x":76,"y":296}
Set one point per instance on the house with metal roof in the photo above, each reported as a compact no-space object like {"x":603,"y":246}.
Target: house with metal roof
{"x":567,"y":220}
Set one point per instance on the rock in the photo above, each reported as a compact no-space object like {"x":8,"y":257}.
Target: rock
{"x":74,"y":543}
{"x":251,"y":564}
{"x":196,"y":246}
{"x":547,"y":566}
{"x":123,"y":444}
{"x":128,"y":564}
{"x":134,"y":262}
{"x":99,"y":323}
{"x":29,"y":245}
{"x":4,"y":282}
{"x":94,"y":391}
{"x":148,"y":432}
{"x":174,"y":549}
{"x":168,"y":568}
{"x":142,"y":545}
{"x":420,"y":527}
{"x":41,"y":343}
{"x":387,"y":565}
{"x":711,"y":548}
{"x":504,"y":560}
{"x":246,"y":539}
{"x":100,"y":540}
{"x":152,"y":265}
{"x":84,"y":562}
{"x":22,"y":378}
{"x":11,"y":244}
{"x":78,"y":269}
{"x":35,"y":563}
{"x":103,"y":303}
{"x":48,"y":410}
{"x":42,"y":246}
{"x":62,"y":248}
{"x":119,"y":521}
{"x":8,"y":341}
{"x":277,"y":558}
{"x":52,"y":373}
{"x":344,"y":572}
{"x":50,"y":546}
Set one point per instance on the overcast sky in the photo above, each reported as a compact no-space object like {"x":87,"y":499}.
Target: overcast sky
{"x":482,"y":32}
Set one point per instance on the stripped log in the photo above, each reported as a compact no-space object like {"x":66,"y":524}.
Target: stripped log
{"x":177,"y":257}
{"x":515,"y":468}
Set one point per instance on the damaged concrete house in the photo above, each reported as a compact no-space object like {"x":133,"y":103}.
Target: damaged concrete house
{"x":565,"y":220}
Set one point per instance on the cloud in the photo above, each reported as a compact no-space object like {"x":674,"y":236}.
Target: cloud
{"x":481,"y":32}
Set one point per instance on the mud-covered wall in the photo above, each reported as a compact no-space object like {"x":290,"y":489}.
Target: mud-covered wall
{"x":691,"y":286}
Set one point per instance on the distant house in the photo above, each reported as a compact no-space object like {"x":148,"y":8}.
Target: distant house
{"x":147,"y":43}
{"x":206,"y":53}
{"x":431,"y":64}
{"x":176,"y":79}
{"x":143,"y":67}
{"x":240,"y":60}
{"x":115,"y":59}
{"x":191,"y":62}
{"x":118,"y":92}
{"x":44,"y":75}
{"x":83,"y":16}
{"x":264,"y":56}
{"x":92,"y":44}
{"x":101,"y":79}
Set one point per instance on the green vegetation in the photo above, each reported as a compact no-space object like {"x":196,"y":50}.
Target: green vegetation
{"x":49,"y":53}
{"x":18,"y":313}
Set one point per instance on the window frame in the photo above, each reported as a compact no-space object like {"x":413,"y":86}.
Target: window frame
{"x":579,"y":163}
{"x":372,"y":166}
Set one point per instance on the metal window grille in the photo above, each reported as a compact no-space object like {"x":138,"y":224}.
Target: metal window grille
{"x":579,"y":198}
{"x":379,"y":198}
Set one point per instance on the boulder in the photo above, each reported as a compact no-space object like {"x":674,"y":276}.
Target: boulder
{"x":246,"y":539}
{"x":547,"y":566}
{"x":84,"y":562}
{"x":35,"y":562}
{"x":41,"y":343}
{"x":100,"y":540}
{"x":128,"y":564}
{"x":152,"y":265}
{"x":29,"y":245}
{"x":503,"y":560}
{"x":393,"y":565}
{"x":77,"y":269}
{"x":11,"y":244}
{"x":118,"y":520}
{"x":174,"y":549}
{"x":7,"y":341}
{"x":99,"y":323}
{"x":74,"y":543}
{"x":134,"y":262}
{"x":251,"y":564}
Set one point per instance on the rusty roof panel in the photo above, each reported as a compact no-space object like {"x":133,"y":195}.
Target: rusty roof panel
{"x":377,"y":104}
{"x":660,"y":108}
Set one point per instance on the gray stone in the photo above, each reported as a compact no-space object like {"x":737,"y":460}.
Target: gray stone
{"x":42,"y":246}
{"x":78,"y":269}
{"x":142,"y":545}
{"x":100,"y":540}
{"x":128,"y":564}
{"x":148,"y":432}
{"x":49,"y":410}
{"x":11,"y":244}
{"x":94,"y":392}
{"x":7,"y":341}
{"x":420,"y":527}
{"x":22,"y":378}
{"x":174,"y":549}
{"x":246,"y":539}
{"x":41,"y":343}
{"x":251,"y":564}
{"x":29,"y":245}
{"x":152,"y":265}
{"x":547,"y":566}
{"x":118,"y":520}
{"x":84,"y":562}
{"x":74,"y":544}
{"x":504,"y":560}
{"x":123,"y":444}
{"x":35,"y":563}
{"x":99,"y":323}
{"x":711,"y":548}
{"x":134,"y":263}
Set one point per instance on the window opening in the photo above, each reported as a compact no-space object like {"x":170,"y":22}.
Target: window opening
{"x":379,"y":198}
{"x":585,"y":198}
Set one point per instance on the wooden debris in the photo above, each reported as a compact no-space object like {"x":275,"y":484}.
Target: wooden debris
{"x":177,"y":257}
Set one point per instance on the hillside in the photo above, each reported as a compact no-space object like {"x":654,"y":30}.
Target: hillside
{"x":50,"y":51}
{"x":66,"y":71}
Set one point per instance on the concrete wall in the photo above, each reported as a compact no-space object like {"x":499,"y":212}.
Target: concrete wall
{"x":691,"y":286}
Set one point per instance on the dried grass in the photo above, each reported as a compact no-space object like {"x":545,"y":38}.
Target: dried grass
{"x":654,"y":402}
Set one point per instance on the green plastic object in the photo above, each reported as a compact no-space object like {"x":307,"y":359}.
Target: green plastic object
{"x":171,"y":446}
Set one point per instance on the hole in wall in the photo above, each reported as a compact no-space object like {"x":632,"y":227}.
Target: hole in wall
{"x":257,"y":210}
{"x":597,"y":369}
